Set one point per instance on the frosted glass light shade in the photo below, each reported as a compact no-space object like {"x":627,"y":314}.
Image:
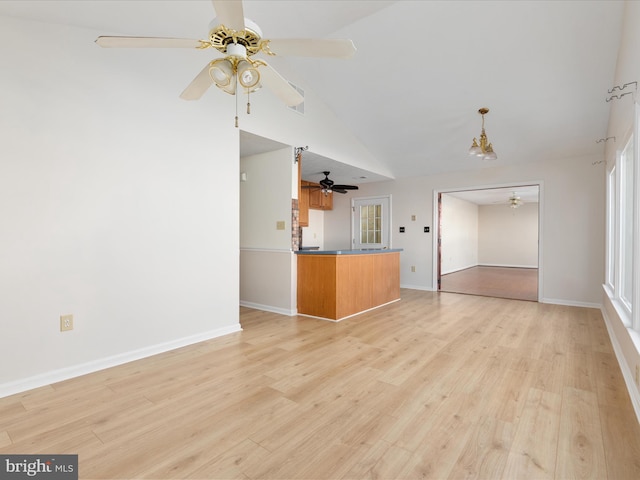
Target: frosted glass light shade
{"x":248,"y":75}
{"x":221,"y":72}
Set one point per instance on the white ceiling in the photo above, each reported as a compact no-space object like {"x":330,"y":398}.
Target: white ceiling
{"x":492,"y":196}
{"x":421,"y":72}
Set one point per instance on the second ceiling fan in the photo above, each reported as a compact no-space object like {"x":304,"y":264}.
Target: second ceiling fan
{"x":239,"y":39}
{"x":327,"y":185}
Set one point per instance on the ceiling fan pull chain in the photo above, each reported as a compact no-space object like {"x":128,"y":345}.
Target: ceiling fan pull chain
{"x":235,"y":78}
{"x":248,"y":104}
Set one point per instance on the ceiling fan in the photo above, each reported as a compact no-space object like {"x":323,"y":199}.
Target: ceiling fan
{"x":239,"y":39}
{"x":327,"y":185}
{"x":515,"y":201}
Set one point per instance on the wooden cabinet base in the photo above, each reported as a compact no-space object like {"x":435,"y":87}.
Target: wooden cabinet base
{"x":339,"y":286}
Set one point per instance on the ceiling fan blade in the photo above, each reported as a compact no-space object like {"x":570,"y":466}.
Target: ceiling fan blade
{"x":279,"y":86}
{"x":346,"y":187}
{"x":147,"y":42}
{"x":310,"y":47}
{"x":229,"y":13}
{"x":198,"y":85}
{"x":338,"y":190}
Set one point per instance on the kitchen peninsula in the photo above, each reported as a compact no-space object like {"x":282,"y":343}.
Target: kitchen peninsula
{"x":336,"y":284}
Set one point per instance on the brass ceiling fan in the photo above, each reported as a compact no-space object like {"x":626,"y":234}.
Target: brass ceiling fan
{"x":239,"y":39}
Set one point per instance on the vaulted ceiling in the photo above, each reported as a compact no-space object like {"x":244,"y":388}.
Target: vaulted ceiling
{"x":422,"y":70}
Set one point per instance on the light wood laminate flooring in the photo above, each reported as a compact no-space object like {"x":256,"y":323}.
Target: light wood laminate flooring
{"x":503,"y":282}
{"x":435,"y":386}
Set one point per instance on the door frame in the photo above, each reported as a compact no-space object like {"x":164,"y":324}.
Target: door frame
{"x":437,"y":226}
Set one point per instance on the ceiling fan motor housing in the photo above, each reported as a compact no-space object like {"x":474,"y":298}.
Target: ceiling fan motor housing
{"x":326,"y":182}
{"x":223,"y":39}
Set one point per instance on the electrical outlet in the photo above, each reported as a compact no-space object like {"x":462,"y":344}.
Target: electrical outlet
{"x":280,"y":225}
{"x":413,"y":268}
{"x":66,"y":323}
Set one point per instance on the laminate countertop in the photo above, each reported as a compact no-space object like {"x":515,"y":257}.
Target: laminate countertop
{"x":348,"y":252}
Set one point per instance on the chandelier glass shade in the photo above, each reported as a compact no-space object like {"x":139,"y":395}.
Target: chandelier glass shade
{"x":482,"y":148}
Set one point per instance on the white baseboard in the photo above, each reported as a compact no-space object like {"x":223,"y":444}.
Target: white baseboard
{"x":628,"y":376}
{"x":47,"y":378}
{"x":454,"y":270}
{"x":418,"y":287}
{"x":505,"y":266}
{"x":570,"y":303}
{"x":459,"y":269}
{"x":269,"y":308}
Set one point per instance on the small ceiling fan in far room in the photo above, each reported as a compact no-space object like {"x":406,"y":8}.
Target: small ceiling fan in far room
{"x":515,"y":201}
{"x":327,"y":186}
{"x":239,"y":39}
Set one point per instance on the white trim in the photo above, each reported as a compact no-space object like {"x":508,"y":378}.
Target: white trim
{"x":634,"y":394}
{"x":388,"y":233}
{"x":418,"y":287}
{"x":635,"y":247}
{"x":459,"y":269}
{"x":552,"y":301}
{"x":269,"y":308}
{"x":41,"y":380}
{"x":570,"y":303}
{"x":505,"y":265}
{"x":274,"y":250}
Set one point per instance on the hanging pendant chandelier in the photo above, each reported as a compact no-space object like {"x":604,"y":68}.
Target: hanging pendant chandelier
{"x":483,"y":149}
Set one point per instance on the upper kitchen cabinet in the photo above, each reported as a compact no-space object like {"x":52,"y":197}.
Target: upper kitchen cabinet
{"x":319,"y":200}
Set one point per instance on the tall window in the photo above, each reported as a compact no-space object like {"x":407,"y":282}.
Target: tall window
{"x":622,"y":268}
{"x":611,"y":229}
{"x":626,"y":224}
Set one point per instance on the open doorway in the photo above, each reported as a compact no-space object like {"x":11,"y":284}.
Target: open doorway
{"x":488,"y":242}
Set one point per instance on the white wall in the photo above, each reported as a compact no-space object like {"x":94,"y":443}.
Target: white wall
{"x":459,"y":234}
{"x":267,"y":280}
{"x":572,"y":219}
{"x":313,"y":235}
{"x":266,"y":259}
{"x":265,"y":199}
{"x":120,"y":201}
{"x":116,"y":206}
{"x":508,"y":237}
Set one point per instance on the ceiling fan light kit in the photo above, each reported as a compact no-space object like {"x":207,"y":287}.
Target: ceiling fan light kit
{"x":483,"y":149}
{"x":238,"y":39}
{"x":515,"y":201}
